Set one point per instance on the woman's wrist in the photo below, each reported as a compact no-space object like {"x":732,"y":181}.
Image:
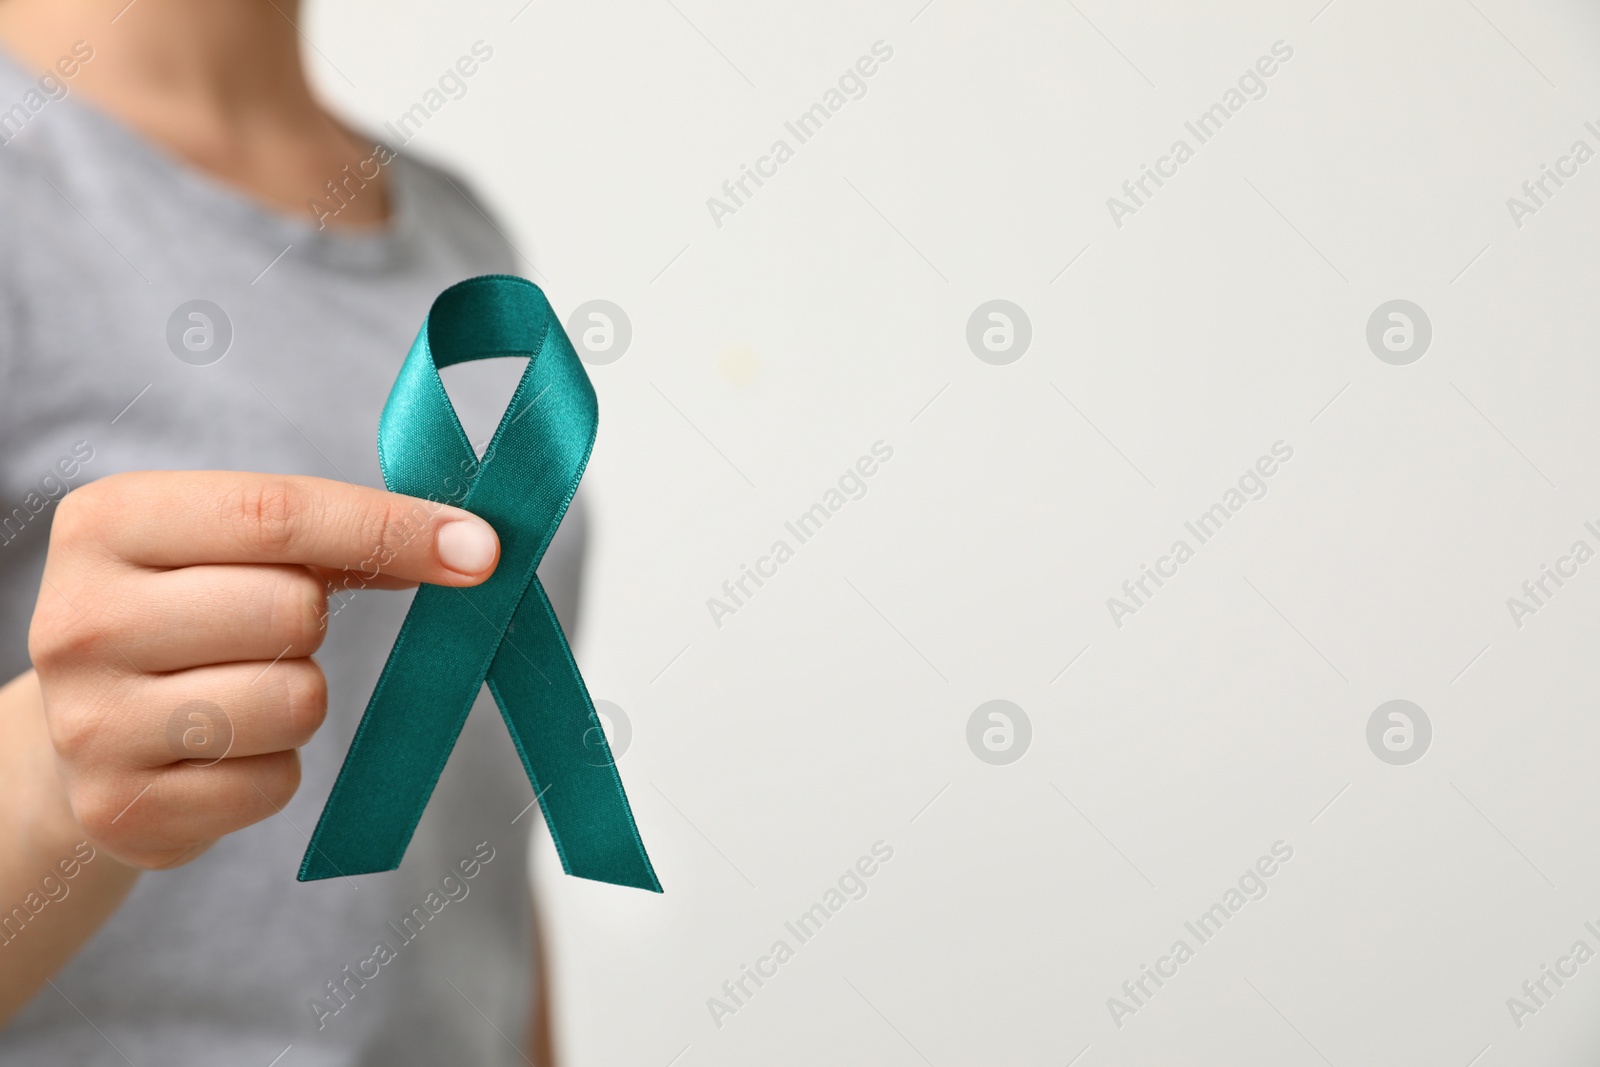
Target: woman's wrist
{"x":56,"y":888}
{"x":30,"y":782}
{"x":50,"y":842}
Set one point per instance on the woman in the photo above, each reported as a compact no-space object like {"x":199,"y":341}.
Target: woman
{"x":174,"y":301}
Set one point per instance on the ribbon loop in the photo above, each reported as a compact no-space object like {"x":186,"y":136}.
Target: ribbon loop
{"x":502,"y":632}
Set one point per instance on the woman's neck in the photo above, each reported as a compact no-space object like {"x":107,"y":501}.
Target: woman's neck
{"x":218,"y":84}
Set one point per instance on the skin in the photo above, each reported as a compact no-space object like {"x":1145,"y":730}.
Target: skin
{"x":166,"y":587}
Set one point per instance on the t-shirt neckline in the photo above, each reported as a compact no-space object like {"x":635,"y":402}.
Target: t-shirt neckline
{"x":374,"y":246}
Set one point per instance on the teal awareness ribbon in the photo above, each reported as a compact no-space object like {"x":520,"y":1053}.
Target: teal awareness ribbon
{"x":503,"y":631}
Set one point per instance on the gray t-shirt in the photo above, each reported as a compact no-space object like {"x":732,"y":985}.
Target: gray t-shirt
{"x":226,"y":960}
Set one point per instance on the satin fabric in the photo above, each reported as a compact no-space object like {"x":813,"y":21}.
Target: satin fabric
{"x":503,"y":632}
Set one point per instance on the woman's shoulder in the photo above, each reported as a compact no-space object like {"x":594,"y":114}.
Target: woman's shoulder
{"x":448,"y":203}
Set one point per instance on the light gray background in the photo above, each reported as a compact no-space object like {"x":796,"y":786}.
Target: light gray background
{"x":1231,"y":712}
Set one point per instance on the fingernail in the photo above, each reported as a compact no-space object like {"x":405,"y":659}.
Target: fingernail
{"x":466,"y":546}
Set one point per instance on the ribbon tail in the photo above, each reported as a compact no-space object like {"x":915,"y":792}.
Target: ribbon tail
{"x":547,"y":708}
{"x":421,"y":702}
